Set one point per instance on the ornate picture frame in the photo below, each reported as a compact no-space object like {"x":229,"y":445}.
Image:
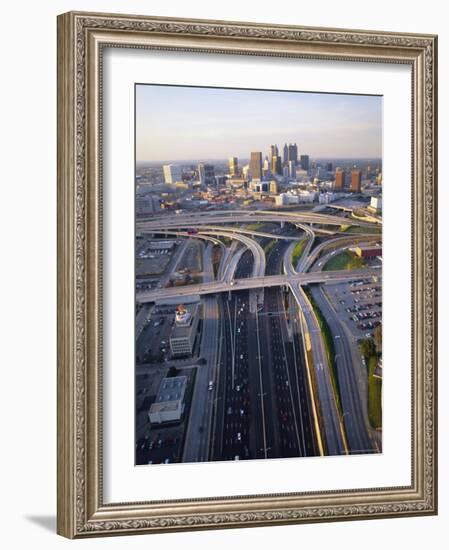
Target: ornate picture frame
{"x":82,"y":38}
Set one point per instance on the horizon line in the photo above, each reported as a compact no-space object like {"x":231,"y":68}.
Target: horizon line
{"x":204,"y":159}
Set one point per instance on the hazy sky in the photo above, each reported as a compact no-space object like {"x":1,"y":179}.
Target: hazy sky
{"x":180,"y":123}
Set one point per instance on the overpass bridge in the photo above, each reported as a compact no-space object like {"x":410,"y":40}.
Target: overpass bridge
{"x":255,"y":283}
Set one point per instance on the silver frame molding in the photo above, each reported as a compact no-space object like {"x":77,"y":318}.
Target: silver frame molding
{"x":81,"y":39}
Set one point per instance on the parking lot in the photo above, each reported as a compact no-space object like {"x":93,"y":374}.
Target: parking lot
{"x":159,"y":443}
{"x":359,"y":304}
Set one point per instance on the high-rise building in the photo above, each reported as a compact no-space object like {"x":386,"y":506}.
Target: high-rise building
{"x":206,"y":174}
{"x":266,"y":167}
{"x":293,"y":153}
{"x":329,"y":167}
{"x":304,"y":159}
{"x":172,"y":173}
{"x":255,"y":165}
{"x":273,"y":187}
{"x":147,"y":204}
{"x":356,"y":181}
{"x":285,"y":155}
{"x":201,"y":174}
{"x":233,"y":166}
{"x":290,"y":153}
{"x":274,"y":151}
{"x":340,"y":179}
{"x":292,"y":169}
{"x":276,"y":165}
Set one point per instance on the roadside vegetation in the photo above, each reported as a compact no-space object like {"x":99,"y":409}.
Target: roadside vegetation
{"x":368,"y":349}
{"x":297,"y":251}
{"x":260,"y":226}
{"x":345,"y":260}
{"x":359,"y":229}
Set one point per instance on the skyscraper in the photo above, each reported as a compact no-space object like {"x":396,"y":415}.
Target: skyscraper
{"x":356,"y":181}
{"x":172,"y":173}
{"x":293,"y":153}
{"x":292,"y":169}
{"x":255,"y":165}
{"x":339,"y":179}
{"x":276,"y":165}
{"x":290,"y":153}
{"x":304,"y":159}
{"x":274,"y":151}
{"x":233,"y":166}
{"x":206,"y":174}
{"x":285,"y":156}
{"x":266,"y":167}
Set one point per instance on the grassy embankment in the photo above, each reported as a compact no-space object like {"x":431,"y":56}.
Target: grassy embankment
{"x":297,"y":251}
{"x":374,"y":394}
{"x":258,"y":226}
{"x":344,"y":260}
{"x":374,"y":384}
{"x":361,"y":229}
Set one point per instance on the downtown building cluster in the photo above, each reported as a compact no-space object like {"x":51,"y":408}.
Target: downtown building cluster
{"x":283,"y":176}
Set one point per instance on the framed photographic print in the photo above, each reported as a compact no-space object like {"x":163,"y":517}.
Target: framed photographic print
{"x":246,"y":274}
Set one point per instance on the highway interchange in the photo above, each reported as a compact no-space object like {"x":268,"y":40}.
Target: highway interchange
{"x":261,"y":339}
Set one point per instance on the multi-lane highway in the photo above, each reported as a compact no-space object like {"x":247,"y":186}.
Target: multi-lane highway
{"x":263,"y":401}
{"x":266,"y":389}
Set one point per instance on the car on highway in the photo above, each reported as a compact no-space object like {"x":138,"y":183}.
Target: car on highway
{"x":211,"y":385}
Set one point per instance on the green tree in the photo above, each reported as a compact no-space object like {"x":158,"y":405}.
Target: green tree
{"x":378,"y":338}
{"x":368,"y":347}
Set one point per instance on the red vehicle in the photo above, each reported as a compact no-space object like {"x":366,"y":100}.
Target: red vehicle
{"x":192,"y":231}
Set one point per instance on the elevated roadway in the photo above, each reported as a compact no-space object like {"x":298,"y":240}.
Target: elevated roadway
{"x":255,"y":283}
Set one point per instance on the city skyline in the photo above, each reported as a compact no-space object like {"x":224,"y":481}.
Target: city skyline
{"x":176,"y":123}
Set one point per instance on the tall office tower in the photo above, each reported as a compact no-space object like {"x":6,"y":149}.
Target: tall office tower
{"x":255,"y":165}
{"x":209,"y":170}
{"x":304,"y":160}
{"x":329,"y":167}
{"x":274,"y":151}
{"x":356,"y":181}
{"x":206,"y":174}
{"x":285,"y":156}
{"x":266,"y":167}
{"x":172,"y":173}
{"x":201,"y":174}
{"x":273,"y":187}
{"x":292,"y":169}
{"x":276,"y":165}
{"x":293,"y":153}
{"x":233,"y":166}
{"x":339,"y":179}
